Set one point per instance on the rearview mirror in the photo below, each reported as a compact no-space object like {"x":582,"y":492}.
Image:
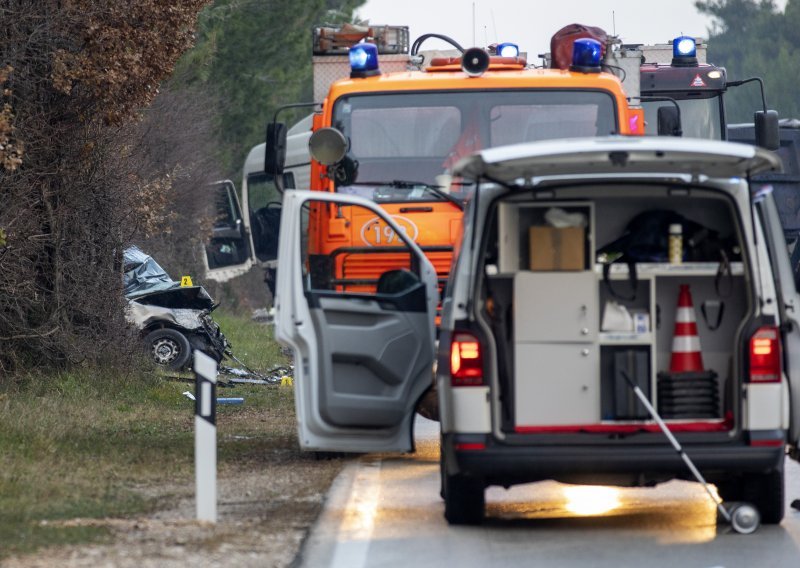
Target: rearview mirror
{"x":767,"y":130}
{"x":275,"y":149}
{"x":669,"y":121}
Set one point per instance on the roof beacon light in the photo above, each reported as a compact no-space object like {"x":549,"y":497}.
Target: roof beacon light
{"x":508,"y":50}
{"x":586,"y":55}
{"x":364,"y":61}
{"x":684,"y":52}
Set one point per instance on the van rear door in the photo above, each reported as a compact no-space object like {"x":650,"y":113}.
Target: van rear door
{"x":363,"y":352}
{"x":788,"y":287}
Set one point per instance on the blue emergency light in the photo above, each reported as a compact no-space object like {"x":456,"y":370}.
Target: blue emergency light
{"x":684,"y":52}
{"x":508,"y":50}
{"x":364,"y":60}
{"x":586,"y":55}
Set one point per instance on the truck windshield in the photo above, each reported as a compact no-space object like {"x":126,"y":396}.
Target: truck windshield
{"x":700,"y":118}
{"x":419,"y":137}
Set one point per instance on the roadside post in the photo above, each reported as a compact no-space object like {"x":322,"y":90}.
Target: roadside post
{"x":205,"y":436}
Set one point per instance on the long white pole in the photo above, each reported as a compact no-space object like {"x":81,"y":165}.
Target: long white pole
{"x":205,"y":437}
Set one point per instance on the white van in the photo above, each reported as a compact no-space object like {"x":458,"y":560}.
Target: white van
{"x":542,"y":320}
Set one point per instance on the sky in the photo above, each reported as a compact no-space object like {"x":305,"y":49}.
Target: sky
{"x":530,"y":23}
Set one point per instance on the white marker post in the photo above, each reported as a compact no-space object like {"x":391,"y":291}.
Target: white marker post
{"x":205,"y":436}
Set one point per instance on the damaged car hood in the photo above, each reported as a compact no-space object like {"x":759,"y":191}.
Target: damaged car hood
{"x":145,"y":282}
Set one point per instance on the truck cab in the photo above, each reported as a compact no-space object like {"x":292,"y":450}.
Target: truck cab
{"x":404,"y":120}
{"x":677,"y":77}
{"x":532,"y":352}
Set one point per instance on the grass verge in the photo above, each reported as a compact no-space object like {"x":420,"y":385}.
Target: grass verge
{"x":86,"y":445}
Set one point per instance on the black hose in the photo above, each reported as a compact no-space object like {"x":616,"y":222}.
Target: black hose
{"x":418,"y":42}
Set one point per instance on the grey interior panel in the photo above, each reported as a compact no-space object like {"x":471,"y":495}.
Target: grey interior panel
{"x":369,"y":351}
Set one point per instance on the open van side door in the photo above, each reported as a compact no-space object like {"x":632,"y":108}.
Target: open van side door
{"x":788,"y":286}
{"x":363,"y":350}
{"x":228,"y":251}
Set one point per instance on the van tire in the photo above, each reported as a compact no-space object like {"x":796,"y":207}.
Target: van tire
{"x":765,"y":491}
{"x":464,"y":500}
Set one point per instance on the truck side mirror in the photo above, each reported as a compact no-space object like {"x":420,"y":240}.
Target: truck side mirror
{"x":767,"y":130}
{"x":669,"y":121}
{"x":275,"y":150}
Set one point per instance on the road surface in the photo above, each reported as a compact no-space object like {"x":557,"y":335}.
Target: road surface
{"x":385,"y":511}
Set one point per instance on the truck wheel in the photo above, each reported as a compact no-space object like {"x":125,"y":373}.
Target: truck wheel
{"x":168,"y":348}
{"x":464,"y":500}
{"x":765,"y":492}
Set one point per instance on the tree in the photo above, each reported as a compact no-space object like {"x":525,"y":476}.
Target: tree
{"x":756,"y":39}
{"x":255,"y":55}
{"x":76,"y":74}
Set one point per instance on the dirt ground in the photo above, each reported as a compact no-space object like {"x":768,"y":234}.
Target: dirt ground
{"x":265,"y":510}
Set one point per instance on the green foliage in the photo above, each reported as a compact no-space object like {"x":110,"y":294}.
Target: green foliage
{"x":755,"y":39}
{"x":255,"y":55}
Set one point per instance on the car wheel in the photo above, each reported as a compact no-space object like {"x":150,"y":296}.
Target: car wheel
{"x":168,"y":348}
{"x":464,"y":500}
{"x":765,"y":492}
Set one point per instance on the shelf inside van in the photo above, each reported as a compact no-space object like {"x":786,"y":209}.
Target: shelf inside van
{"x":624,"y":338}
{"x":666,"y":269}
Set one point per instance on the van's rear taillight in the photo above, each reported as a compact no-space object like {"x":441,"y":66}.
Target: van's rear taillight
{"x":765,"y":355}
{"x":466,"y":361}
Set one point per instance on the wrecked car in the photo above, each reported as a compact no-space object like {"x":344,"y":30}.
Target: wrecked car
{"x":173,"y":320}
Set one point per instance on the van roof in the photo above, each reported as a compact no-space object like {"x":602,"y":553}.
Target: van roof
{"x":619,"y":155}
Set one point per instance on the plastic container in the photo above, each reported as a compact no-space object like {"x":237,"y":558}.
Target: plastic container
{"x":675,"y":243}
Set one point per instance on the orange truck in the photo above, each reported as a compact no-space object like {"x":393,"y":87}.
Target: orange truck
{"x":396,"y":120}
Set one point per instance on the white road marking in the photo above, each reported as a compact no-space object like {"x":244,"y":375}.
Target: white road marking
{"x":355,"y":531}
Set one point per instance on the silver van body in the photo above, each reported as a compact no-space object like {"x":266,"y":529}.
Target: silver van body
{"x":560,"y":241}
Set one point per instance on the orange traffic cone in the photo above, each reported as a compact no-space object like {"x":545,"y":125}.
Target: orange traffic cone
{"x":686,"y":355}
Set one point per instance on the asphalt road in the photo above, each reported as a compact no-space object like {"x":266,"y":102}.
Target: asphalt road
{"x":385,"y":511}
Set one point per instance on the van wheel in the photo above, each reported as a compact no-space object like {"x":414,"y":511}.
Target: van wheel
{"x":464,"y":500}
{"x":765,"y":492}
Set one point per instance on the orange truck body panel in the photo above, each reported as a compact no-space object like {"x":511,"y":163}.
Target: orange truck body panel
{"x":434,"y":225}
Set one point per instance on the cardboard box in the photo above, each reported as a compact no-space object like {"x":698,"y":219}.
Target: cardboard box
{"x":557,"y":249}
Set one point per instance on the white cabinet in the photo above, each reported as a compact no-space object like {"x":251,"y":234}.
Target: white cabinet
{"x":556,"y":355}
{"x":555,"y":307}
{"x":556,"y":384}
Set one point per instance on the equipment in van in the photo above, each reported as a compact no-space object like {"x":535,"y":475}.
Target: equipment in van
{"x":653,"y":236}
{"x":675,"y":243}
{"x":616,"y":317}
{"x":560,"y":244}
{"x":687,"y":390}
{"x":686,"y":355}
{"x":742,"y":517}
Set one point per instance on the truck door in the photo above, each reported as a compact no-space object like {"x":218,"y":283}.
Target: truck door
{"x":227,"y":253}
{"x":362,"y":358}
{"x":789,"y":303}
